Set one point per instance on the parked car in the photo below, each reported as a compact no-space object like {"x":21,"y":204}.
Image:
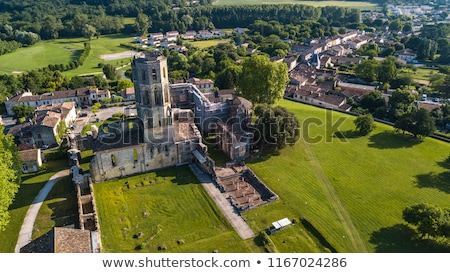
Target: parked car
{"x":83,"y":115}
{"x":44,"y":147}
{"x":84,"y":106}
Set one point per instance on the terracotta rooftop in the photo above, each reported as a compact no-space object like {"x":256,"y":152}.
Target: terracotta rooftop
{"x":61,"y":240}
{"x":29,"y":155}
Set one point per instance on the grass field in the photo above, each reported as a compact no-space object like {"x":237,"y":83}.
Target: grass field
{"x":350,"y":4}
{"x":38,"y":56}
{"x":374,"y":177}
{"x":170,"y":208}
{"x":208,"y":43}
{"x":62,"y":51}
{"x":31,"y":185}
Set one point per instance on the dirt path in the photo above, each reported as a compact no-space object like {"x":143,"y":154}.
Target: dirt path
{"x":344,"y":216}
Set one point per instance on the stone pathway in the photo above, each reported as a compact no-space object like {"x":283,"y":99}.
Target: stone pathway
{"x":27,"y":227}
{"x":228,"y":210}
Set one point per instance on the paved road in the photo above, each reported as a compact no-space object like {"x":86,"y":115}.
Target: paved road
{"x":233,"y":217}
{"x":27,"y":227}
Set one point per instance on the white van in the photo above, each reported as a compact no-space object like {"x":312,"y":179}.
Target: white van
{"x":424,"y":97}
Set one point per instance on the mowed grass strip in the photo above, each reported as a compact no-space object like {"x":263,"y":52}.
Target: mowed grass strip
{"x":167,"y":210}
{"x":375,"y":176}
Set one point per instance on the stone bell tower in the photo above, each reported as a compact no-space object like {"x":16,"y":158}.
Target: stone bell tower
{"x":152,"y":92}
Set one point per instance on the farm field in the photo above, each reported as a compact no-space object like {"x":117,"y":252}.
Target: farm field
{"x":372,"y":178}
{"x":350,"y":4}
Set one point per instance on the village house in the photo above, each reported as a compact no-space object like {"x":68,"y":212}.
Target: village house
{"x":189,"y":35}
{"x":81,"y":96}
{"x":31,"y":160}
{"x":356,"y":88}
{"x":44,"y":128}
{"x":128,"y":94}
{"x":316,"y":96}
{"x":406,"y":54}
{"x":204,"y":34}
{"x":203,"y":84}
{"x":156,"y":36}
{"x":171,"y":36}
{"x":303,"y":75}
{"x":218,"y":32}
{"x":239,"y":30}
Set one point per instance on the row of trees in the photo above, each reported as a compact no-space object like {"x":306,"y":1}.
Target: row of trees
{"x":10,"y":176}
{"x":53,"y":19}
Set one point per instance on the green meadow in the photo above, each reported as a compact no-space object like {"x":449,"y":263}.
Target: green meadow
{"x":62,"y":51}
{"x":352,"y":189}
{"x":344,"y":192}
{"x":168,"y":211}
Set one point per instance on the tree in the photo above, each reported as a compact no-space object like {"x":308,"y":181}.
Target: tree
{"x":426,"y":217}
{"x":372,"y":101}
{"x":110,"y":71}
{"x":417,"y":122}
{"x":50,"y":27}
{"x":401,"y":102}
{"x":123,"y":84}
{"x":387,"y":69}
{"x":368,"y":70}
{"x":10,"y":169}
{"x":22,"y":111}
{"x":263,"y":81}
{"x":365,"y":124}
{"x":276,"y":126}
{"x":423,"y":123}
{"x":95,"y":107}
{"x":88,"y":31}
{"x":142,"y":24}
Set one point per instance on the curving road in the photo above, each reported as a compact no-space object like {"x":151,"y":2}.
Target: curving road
{"x":27,"y":227}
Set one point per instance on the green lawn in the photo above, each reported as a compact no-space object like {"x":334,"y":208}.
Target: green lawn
{"x":62,"y":51}
{"x":208,"y":43}
{"x":351,"y":4}
{"x":374,"y":178}
{"x":171,"y":210}
{"x":38,"y":56}
{"x":31,"y":185}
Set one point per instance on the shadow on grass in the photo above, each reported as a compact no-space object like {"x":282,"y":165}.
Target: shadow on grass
{"x":392,"y":140}
{"x":401,"y":238}
{"x":446,"y":163}
{"x":347,"y":134}
{"x":439,"y":181}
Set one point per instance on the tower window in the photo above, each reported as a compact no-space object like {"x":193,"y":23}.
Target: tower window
{"x":143,"y":75}
{"x":154,"y":74}
{"x":113,"y":160}
{"x":135,"y":155}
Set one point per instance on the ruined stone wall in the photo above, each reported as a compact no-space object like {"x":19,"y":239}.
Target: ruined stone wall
{"x":140,"y":158}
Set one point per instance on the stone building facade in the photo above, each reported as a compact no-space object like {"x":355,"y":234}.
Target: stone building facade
{"x":160,"y":137}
